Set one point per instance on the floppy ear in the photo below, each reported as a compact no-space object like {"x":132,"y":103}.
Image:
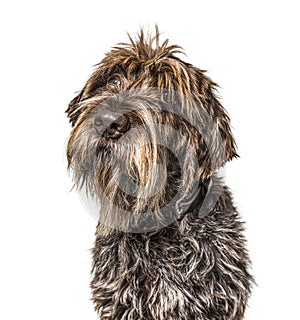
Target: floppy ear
{"x":96,"y":80}
{"x":73,"y":105}
{"x":218,"y":145}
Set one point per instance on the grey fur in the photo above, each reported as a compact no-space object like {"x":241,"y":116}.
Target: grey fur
{"x":169,"y":244}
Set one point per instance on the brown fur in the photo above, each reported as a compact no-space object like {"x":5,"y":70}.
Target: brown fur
{"x":169,"y":242}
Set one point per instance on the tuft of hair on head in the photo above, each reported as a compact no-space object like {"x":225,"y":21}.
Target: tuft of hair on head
{"x":147,"y":47}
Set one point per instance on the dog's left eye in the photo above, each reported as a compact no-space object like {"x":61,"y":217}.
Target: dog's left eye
{"x":113,"y":84}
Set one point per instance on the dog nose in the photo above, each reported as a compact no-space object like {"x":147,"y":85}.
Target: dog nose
{"x":111,"y":124}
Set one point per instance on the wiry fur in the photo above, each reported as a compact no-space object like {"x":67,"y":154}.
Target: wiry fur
{"x":169,"y":248}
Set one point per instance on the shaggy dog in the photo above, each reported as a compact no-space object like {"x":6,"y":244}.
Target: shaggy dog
{"x":148,"y":138}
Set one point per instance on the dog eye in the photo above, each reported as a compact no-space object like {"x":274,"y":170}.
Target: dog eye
{"x":166,"y":96}
{"x":114,"y":84}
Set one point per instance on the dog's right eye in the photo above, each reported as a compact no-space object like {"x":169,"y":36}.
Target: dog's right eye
{"x":166,"y":96}
{"x":113,"y":84}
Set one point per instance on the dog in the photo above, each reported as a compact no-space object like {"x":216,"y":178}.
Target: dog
{"x":149,"y":140}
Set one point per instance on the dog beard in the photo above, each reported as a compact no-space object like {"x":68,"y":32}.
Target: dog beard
{"x":137,"y":180}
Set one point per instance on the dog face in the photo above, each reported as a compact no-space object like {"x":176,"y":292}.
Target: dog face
{"x":147,"y":129}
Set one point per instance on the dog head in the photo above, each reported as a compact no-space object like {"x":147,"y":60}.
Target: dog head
{"x":147,"y":129}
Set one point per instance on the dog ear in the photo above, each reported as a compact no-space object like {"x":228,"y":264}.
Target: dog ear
{"x":218,"y":139}
{"x":96,"y":80}
{"x":73,"y":105}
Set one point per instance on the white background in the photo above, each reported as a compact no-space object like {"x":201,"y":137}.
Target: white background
{"x":251,"y":48}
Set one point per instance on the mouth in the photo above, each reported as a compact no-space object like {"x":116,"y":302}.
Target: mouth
{"x":105,"y":142}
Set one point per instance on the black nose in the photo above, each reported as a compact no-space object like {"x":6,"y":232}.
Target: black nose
{"x":111,"y":124}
